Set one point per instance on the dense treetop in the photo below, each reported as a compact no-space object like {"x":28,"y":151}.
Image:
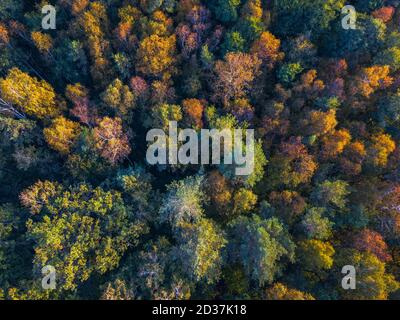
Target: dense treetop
{"x":77,"y":193}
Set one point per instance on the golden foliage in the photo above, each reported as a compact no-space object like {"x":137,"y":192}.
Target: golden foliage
{"x":42,"y":41}
{"x":34,"y":97}
{"x":266,"y":48}
{"x":374,"y":78}
{"x":155,"y":55}
{"x":335,"y":142}
{"x":62,"y":134}
{"x":382,"y":145}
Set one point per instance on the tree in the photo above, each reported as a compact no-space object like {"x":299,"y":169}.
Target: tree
{"x":260,"y":246}
{"x":78,"y":230}
{"x":199,"y":250}
{"x":335,"y":143}
{"x":320,"y":123}
{"x":291,"y":165}
{"x":249,"y":180}
{"x":162,"y":114}
{"x":193,"y":113}
{"x":315,"y":255}
{"x":300,"y":16}
{"x":183,"y":202}
{"x":244,"y":201}
{"x":385,"y":13}
{"x":315,"y":225}
{"x":281,"y":292}
{"x":122,"y":64}
{"x":219,"y":193}
{"x":42,"y":41}
{"x":234,"y":76}
{"x":371,"y":241}
{"x":119,"y":97}
{"x":78,"y":6}
{"x":251,"y":22}
{"x":226,"y":10}
{"x":94,"y":23}
{"x":266,"y":47}
{"x":373,"y":282}
{"x":62,"y":134}
{"x":79,"y":96}
{"x":117,"y":291}
{"x":374,"y":78}
{"x":4,"y":35}
{"x":111,"y":141}
{"x":331,"y":193}
{"x":233,"y":42}
{"x":33,"y":97}
{"x":381,"y":146}
{"x":289,"y":205}
{"x":288,"y":72}
{"x":353,"y":158}
{"x":155,"y":55}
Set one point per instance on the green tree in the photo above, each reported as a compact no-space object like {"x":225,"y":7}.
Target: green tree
{"x":226,"y":10}
{"x":373,"y":282}
{"x":199,"y":251}
{"x":260,"y":246}
{"x":288,"y":72}
{"x":331,"y":194}
{"x":233,"y":42}
{"x":299,"y":16}
{"x":182,"y":203}
{"x":79,"y":230}
{"x":315,"y":225}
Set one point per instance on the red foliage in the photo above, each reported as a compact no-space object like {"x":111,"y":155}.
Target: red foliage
{"x":139,"y":86}
{"x":373,"y":242}
{"x":385,"y":14}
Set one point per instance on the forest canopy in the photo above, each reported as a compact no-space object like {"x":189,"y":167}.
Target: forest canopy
{"x":76,"y":191}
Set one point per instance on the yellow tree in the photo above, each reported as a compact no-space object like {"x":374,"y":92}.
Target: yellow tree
{"x":281,"y":292}
{"x":94,"y":22}
{"x":156,"y":55}
{"x":334,"y":143}
{"x":380,"y":148}
{"x":374,"y":78}
{"x":119,"y":97}
{"x":42,"y":41}
{"x":320,"y":122}
{"x":266,"y":48}
{"x":62,"y":134}
{"x":33,"y":97}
